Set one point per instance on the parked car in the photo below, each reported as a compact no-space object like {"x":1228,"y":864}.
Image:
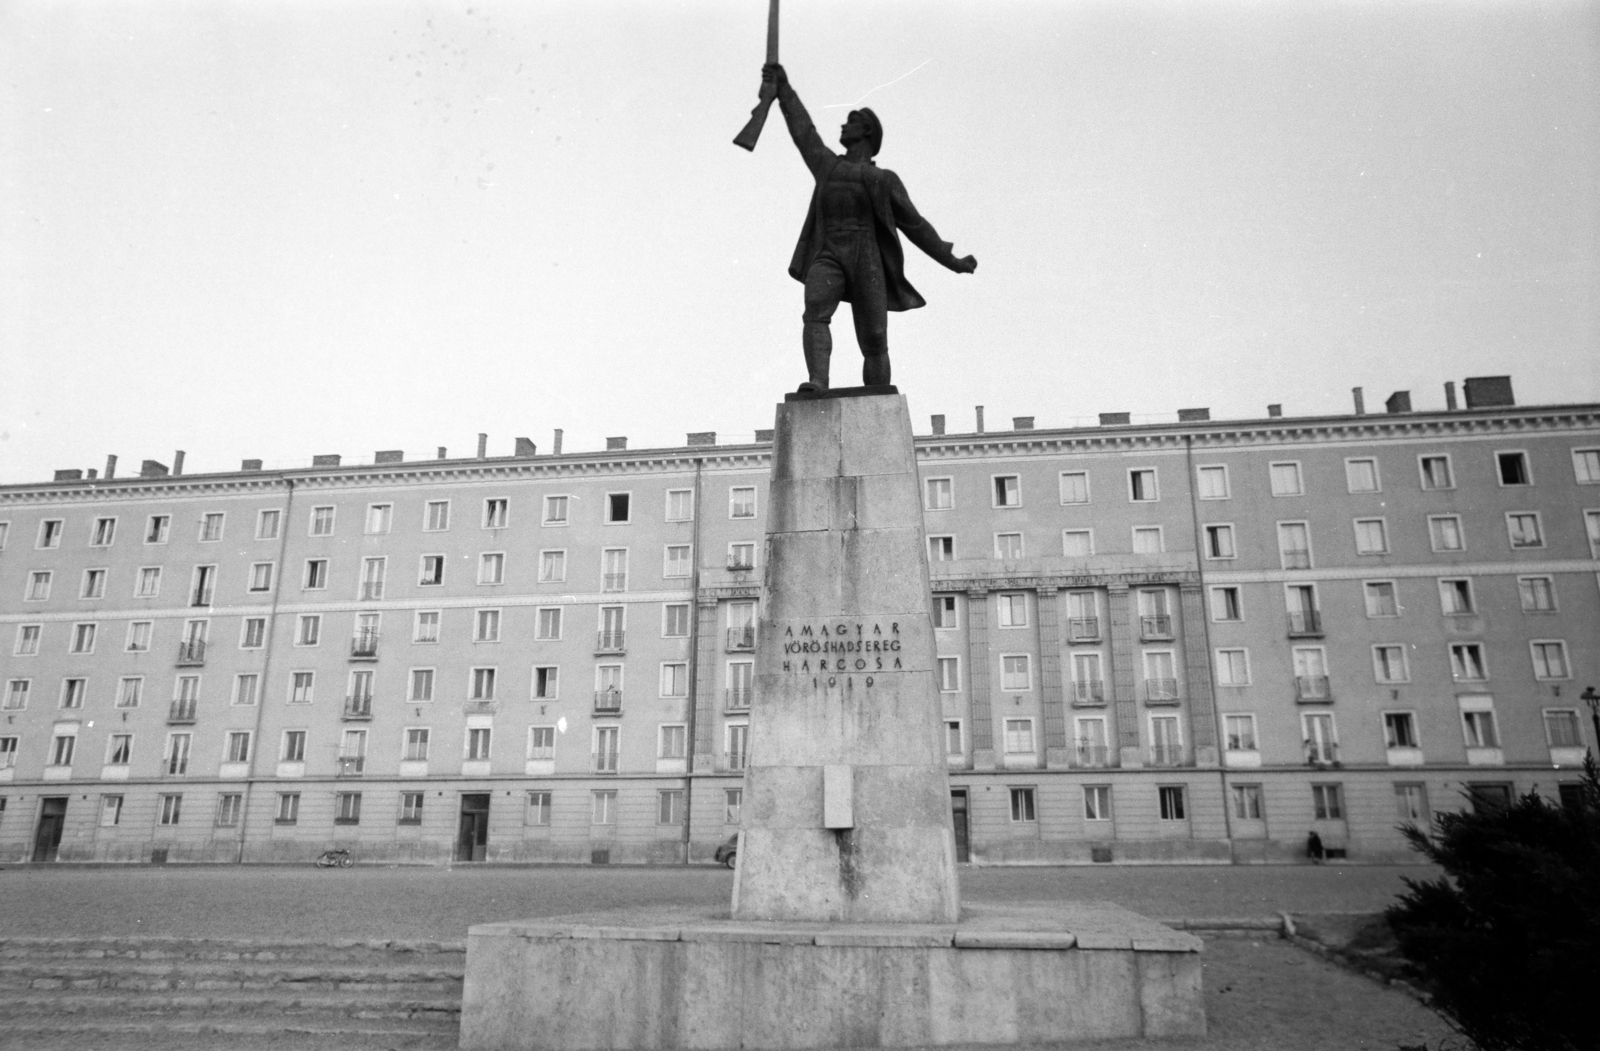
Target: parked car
{"x":728,"y":852}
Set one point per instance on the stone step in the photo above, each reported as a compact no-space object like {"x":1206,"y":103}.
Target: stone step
{"x":39,"y":1033}
{"x":219,"y":975}
{"x":152,"y":948}
{"x":94,"y":1009}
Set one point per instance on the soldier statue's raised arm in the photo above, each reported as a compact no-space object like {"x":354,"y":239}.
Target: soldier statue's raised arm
{"x":850,"y":249}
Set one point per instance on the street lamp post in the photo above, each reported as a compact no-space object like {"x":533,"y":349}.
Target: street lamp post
{"x":1592,"y":699}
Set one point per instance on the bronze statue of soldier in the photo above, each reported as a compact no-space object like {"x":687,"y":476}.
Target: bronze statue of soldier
{"x":849,"y":250}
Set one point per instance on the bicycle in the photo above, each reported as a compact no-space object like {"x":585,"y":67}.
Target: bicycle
{"x":335,"y":859}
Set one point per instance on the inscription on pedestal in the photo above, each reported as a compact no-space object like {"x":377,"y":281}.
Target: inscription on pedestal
{"x":839,"y":646}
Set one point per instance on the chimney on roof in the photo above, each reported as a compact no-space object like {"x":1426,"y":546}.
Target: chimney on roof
{"x":111,"y":467}
{"x":1361,"y":401}
{"x":326,"y":460}
{"x":702,"y":438}
{"x":250,"y":465}
{"x":1450,"y":396}
{"x":764,"y":436}
{"x":555,"y":450}
{"x":1112,"y":419}
{"x":616,"y":443}
{"x":938,"y":424}
{"x":980,"y":418}
{"x":1399,"y":401}
{"x":1022,"y":423}
{"x":1275,"y":410}
{"x":1193,"y":415}
{"x":1487,"y":392}
{"x":483,"y":446}
{"x":93,"y":474}
{"x":152,"y":469}
{"x":525,"y":447}
{"x":70,"y":474}
{"x":444,"y":454}
{"x":389,"y":456}
{"x":177,"y":462}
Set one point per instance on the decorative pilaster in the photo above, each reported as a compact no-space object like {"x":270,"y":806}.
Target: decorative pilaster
{"x":1197,"y":668}
{"x":705,"y":684}
{"x":1051,"y":642}
{"x":1123,"y":642}
{"x":983,"y":757}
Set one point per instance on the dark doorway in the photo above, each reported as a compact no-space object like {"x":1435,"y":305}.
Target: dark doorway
{"x":472,"y":844}
{"x":958,"y":818}
{"x":52,"y":821}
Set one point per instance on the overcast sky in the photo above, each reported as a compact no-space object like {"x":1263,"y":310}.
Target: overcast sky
{"x":272,"y":230}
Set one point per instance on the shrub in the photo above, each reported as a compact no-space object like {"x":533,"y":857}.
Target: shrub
{"x":1507,"y":941}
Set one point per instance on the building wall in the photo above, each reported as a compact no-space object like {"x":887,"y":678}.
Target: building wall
{"x":1034,"y":604}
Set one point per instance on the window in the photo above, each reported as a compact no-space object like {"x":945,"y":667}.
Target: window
{"x":736,"y":745}
{"x":492,"y":568}
{"x":411,"y":808}
{"x":378,"y":517}
{"x":1466,"y":661}
{"x":733,"y":803}
{"x":1097,"y":803}
{"x":129,"y":691}
{"x":1240,"y":732}
{"x":1411,"y":803}
{"x":1399,"y":730}
{"x":38,"y":585}
{"x":1077,"y":543}
{"x":204,"y":581}
{"x":617,"y":507}
{"x":677,"y":563}
{"x":321,"y":521}
{"x":538,"y":812}
{"x":72,"y":691}
{"x":1586,"y":466}
{"x":603,"y":806}
{"x":316,"y":574}
{"x":175,"y":763}
{"x":149,"y":585}
{"x":288,"y":808}
{"x":211,"y":527}
{"x":1455,"y":597}
{"x":421,"y":689}
{"x":432,"y":571}
{"x":1372,"y":536}
{"x":1225,"y":603}
{"x":1219,"y":541}
{"x":238,"y":746}
{"x":310,"y":630}
{"x":1444,"y":533}
{"x":17,"y":691}
{"x":1171,"y":802}
{"x":675,"y":679}
{"x":1513,"y":468}
{"x":1524,"y":530}
{"x":110,"y":811}
{"x":1550,"y":659}
{"x":1074,"y":487}
{"x":1019,"y":736}
{"x":171,"y":808}
{"x":1022,"y":805}
{"x":944,"y":612}
{"x":5,"y":533}
{"x":1380,"y":597}
{"x":939,"y":494}
{"x":672,"y":741}
{"x":1012,"y":609}
{"x":1436,"y":472}
{"x":436,"y":516}
{"x":478,"y":740}
{"x":949,"y":674}
{"x":1142,"y":485}
{"x":1327,"y":802}
{"x":1294,"y":545}
{"x":548,"y":626}
{"x":1285,"y":478}
{"x":425,"y":627}
{"x":1477,"y":723}
{"x":1233,"y":667}
{"x":1007,"y":490}
{"x":1561,"y":728}
{"x":1247,"y":802}
{"x":1361,"y":475}
{"x":294,"y":746}
{"x":157,"y":529}
{"x":1537,"y":593}
{"x":1389,"y":664}
{"x":245,"y":686}
{"x":1320,"y":744}
{"x":261,"y":576}
{"x":741,"y":556}
{"x":742,"y":501}
{"x":941,"y":549}
{"x":680,"y":505}
{"x":94,"y":583}
{"x":104,"y":532}
{"x":675,"y":620}
{"x":50,"y":531}
{"x":1008,"y":545}
{"x":61,"y":749}
{"x":1212,"y":483}
{"x":83,"y":638}
{"x":486,"y":626}
{"x":1147,"y":540}
{"x":483,"y":684}
{"x":301,"y":685}
{"x":347,"y":808}
{"x":28,"y":639}
{"x":8,"y":753}
{"x":495,"y":512}
{"x":555,"y":510}
{"x":267,"y":524}
{"x":614,"y":569}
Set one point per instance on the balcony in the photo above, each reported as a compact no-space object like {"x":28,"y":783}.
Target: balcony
{"x":614,"y":582}
{"x":733,"y":762}
{"x":1296,"y":559}
{"x":610,"y":642}
{"x":1312,"y":688}
{"x":182,"y":713}
{"x":1305,"y":624}
{"x":1158,"y":626}
{"x":741,"y":563}
{"x":357,"y":708}
{"x":364,"y":647}
{"x":1089,"y":691}
{"x":608,"y":702}
{"x":350,"y":765}
{"x":1093,"y":755}
{"x":480,"y":706}
{"x":1161,"y":691}
{"x":1167,"y":755}
{"x":1083,"y":629}
{"x":191,"y":653}
{"x":1321,"y":753}
{"x":605,"y":762}
{"x":741,"y":640}
{"x":737,"y":698}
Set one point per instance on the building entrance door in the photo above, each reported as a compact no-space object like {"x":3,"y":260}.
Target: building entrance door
{"x":52,"y":821}
{"x":958,"y":818}
{"x":472,"y":842}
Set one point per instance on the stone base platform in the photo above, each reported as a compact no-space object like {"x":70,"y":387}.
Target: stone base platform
{"x":694,"y":979}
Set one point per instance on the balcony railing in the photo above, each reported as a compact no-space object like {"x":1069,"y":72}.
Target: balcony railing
{"x":741,"y":639}
{"x":351,"y":765}
{"x":364,"y":647}
{"x":1092,"y":754}
{"x":1305,"y":623}
{"x":1161,"y":690}
{"x":182,"y":712}
{"x":1083,"y":629}
{"x":1089,"y":691}
{"x":741,"y":563}
{"x":1166,"y":755}
{"x":607,"y":702}
{"x":610,"y":642}
{"x":371,"y":590}
{"x":614,"y":582}
{"x":737,"y":698}
{"x":1312,"y":688}
{"x":734,"y":762}
{"x":191,"y":653}
{"x":480,"y":706}
{"x":358,"y":706}
{"x":605,"y":762}
{"x":1296,"y":559}
{"x":1320,"y":753}
{"x":1158,"y":626}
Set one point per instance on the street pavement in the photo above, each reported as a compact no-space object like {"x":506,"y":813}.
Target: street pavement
{"x":441,"y":903}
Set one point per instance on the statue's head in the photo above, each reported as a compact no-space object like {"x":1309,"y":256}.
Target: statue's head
{"x":862,"y":125}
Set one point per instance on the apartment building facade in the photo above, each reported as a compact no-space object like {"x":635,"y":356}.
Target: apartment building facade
{"x":1157,"y":643}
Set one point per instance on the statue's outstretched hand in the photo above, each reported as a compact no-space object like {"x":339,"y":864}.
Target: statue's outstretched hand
{"x":966,"y":265}
{"x":772,"y":73}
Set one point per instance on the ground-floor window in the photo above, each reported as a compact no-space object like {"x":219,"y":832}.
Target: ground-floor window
{"x":411,"y":808}
{"x":538,"y":812}
{"x":228,"y":806}
{"x":1172,"y":802}
{"x":604,"y":807}
{"x":1327,"y":802}
{"x":1097,"y":803}
{"x":1022,"y":808}
{"x":171,"y":808}
{"x":733,"y":804}
{"x":110,"y":811}
{"x":347,"y":808}
{"x":669,"y":806}
{"x":288,"y":808}
{"x":1247,"y":802}
{"x":1411,"y":802}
